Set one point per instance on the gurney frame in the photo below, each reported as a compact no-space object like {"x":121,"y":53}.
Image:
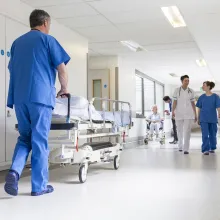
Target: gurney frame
{"x":66,"y":150}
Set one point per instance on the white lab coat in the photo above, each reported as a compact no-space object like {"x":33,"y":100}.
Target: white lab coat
{"x":184,"y":115}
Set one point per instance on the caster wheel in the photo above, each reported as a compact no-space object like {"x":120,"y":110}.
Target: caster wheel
{"x":146,"y":141}
{"x":162,"y":142}
{"x":116,"y":162}
{"x":82,"y":174}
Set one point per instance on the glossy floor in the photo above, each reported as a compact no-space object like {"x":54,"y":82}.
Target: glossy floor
{"x":152,"y":183}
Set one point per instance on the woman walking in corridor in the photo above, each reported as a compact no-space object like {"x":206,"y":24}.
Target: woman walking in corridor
{"x":207,"y":114}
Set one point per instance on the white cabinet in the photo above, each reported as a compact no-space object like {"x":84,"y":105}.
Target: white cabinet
{"x":2,"y":86}
{"x":13,"y":31}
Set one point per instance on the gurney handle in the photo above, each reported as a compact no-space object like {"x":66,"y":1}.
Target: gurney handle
{"x":68,"y":96}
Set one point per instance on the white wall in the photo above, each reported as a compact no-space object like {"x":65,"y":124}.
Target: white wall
{"x":74,"y":44}
{"x":127,"y":90}
{"x":127,"y":87}
{"x":106,"y":62}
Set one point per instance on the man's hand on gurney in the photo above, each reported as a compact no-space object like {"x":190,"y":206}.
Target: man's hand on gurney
{"x":62,"y":94}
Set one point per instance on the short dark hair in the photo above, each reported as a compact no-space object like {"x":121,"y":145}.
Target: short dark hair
{"x":210,"y":84}
{"x":166,"y":98}
{"x":38,"y":17}
{"x":184,"y":77}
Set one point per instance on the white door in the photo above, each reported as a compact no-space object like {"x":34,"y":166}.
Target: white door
{"x":2,"y":86}
{"x":99,"y":85}
{"x":14,"y":29}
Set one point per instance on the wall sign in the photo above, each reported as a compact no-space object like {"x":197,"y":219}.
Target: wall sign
{"x":105,"y":86}
{"x":8,"y":54}
{"x":2,"y":52}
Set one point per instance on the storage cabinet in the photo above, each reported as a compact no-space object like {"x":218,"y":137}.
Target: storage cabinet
{"x":13,"y":31}
{"x":2,"y":87}
{"x":10,"y":30}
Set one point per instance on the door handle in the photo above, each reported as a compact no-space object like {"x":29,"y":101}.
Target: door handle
{"x":8,"y":114}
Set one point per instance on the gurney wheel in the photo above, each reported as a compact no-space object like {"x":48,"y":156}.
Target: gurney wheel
{"x":116,"y":162}
{"x":82,"y":174}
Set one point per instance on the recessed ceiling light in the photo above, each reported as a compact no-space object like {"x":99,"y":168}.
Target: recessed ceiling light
{"x":133,"y":46}
{"x":201,"y":63}
{"x":173,"y":75}
{"x":174,"y":16}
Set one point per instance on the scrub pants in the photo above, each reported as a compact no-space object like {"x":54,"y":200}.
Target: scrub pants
{"x":34,"y":122}
{"x":209,"y":131}
{"x":154,"y":126}
{"x":184,"y":133}
{"x":174,"y":130}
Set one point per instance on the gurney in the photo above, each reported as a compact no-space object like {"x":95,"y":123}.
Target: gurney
{"x":74,"y":123}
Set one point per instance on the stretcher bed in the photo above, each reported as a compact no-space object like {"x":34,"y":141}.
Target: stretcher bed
{"x":76,"y":122}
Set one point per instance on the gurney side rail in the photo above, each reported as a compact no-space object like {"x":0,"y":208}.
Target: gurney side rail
{"x":114,"y":102}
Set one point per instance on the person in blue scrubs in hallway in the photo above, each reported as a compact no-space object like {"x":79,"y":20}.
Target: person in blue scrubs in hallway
{"x":35,"y":59}
{"x":207,"y":105}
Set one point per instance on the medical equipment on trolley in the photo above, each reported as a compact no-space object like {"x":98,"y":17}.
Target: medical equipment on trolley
{"x":80,"y":121}
{"x":161,"y":136}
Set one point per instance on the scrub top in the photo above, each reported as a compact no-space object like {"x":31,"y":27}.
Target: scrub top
{"x":208,"y":106}
{"x":170,"y":105}
{"x":35,"y":57}
{"x":184,"y":98}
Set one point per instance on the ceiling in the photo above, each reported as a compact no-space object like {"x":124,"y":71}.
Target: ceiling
{"x":106,"y":22}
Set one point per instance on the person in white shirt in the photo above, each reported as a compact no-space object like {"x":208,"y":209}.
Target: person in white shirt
{"x":155,"y":121}
{"x":184,"y":112}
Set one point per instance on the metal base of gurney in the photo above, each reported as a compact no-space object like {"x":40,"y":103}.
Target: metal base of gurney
{"x":89,"y":153}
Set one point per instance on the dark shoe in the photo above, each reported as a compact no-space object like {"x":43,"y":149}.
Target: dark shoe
{"x":173,"y":142}
{"x":180,"y":150}
{"x":206,"y":153}
{"x":185,"y":152}
{"x":11,"y":185}
{"x":49,"y":189}
{"x":211,"y":151}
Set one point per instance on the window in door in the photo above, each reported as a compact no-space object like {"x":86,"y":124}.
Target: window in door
{"x":97,"y":92}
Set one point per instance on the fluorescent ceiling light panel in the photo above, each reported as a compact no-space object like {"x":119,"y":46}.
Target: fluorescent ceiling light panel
{"x":174,"y":16}
{"x":201,"y":63}
{"x":133,"y":46}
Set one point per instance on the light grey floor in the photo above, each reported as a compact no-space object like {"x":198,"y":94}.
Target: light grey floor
{"x":152,"y":184}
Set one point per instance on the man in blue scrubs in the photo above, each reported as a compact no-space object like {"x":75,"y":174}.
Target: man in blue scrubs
{"x":35,"y":59}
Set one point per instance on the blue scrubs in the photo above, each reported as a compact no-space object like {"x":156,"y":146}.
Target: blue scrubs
{"x":35,"y":57}
{"x":208,"y":120}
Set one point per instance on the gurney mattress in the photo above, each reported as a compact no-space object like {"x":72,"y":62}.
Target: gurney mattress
{"x":82,"y":110}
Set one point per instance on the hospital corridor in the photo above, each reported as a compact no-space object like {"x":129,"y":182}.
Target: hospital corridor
{"x":110,"y":109}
